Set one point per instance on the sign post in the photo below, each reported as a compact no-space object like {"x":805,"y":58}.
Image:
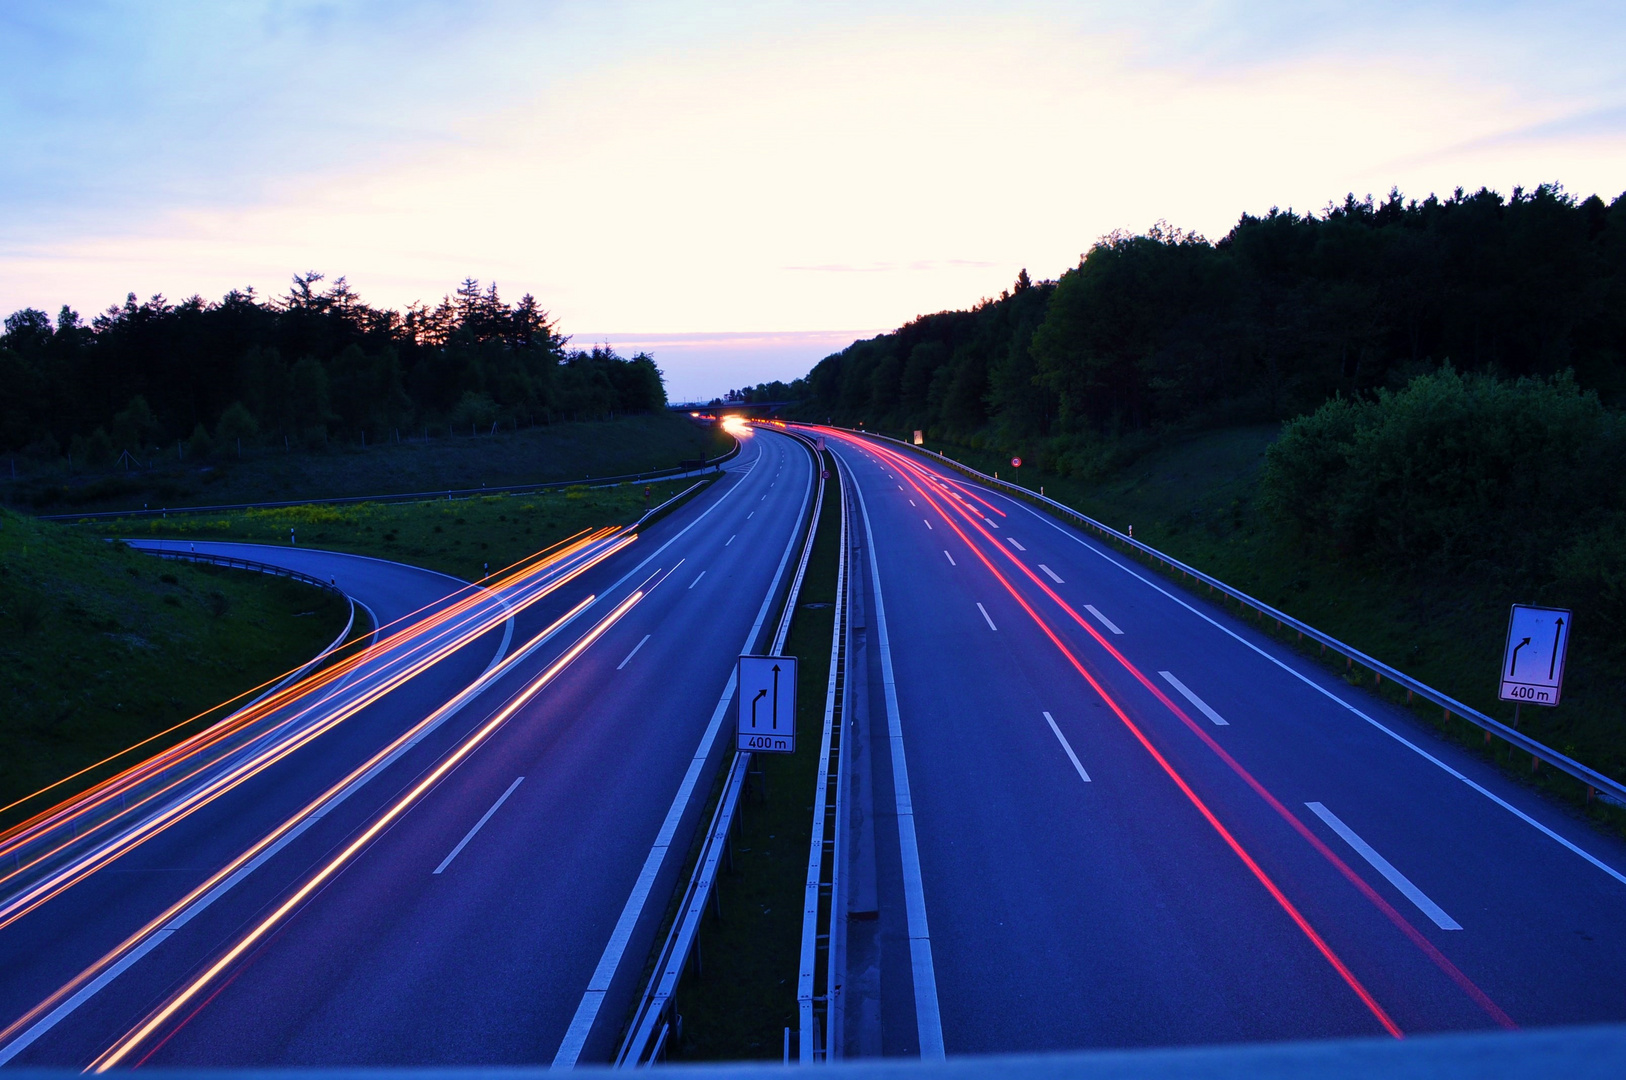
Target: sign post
{"x":766,"y":721}
{"x":1533,"y":662}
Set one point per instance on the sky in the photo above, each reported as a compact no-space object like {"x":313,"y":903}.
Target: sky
{"x":743,"y":188}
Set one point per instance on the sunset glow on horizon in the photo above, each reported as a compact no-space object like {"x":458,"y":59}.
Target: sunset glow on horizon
{"x":748,"y":181}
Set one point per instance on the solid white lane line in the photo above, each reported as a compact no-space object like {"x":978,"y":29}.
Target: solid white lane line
{"x":1065,"y":745}
{"x":1202,"y":706}
{"x":928,"y":524}
{"x":1011,"y":540}
{"x":1383,"y":866}
{"x":949,"y":557}
{"x":1102,"y":619}
{"x":1563,"y":841}
{"x":990,"y":622}
{"x":696,"y":581}
{"x":447,"y":861}
{"x":633,"y":653}
{"x":1053,"y":575}
{"x":730,"y":540}
{"x":598,"y":987}
{"x":928,"y":1016}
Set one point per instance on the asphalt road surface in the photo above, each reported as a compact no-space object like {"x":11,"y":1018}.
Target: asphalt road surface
{"x":484,"y":893}
{"x":1141,"y":822}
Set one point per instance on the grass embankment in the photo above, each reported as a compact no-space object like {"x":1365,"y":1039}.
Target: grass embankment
{"x":558,"y":452}
{"x":101,"y":646}
{"x":1196,"y":501}
{"x":455,"y":536}
{"x":741,"y":996}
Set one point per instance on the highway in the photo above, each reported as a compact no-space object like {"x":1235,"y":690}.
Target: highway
{"x":455,"y":852}
{"x":1130,"y":819}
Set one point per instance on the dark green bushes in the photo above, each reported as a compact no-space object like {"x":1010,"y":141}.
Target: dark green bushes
{"x":1522,"y":481}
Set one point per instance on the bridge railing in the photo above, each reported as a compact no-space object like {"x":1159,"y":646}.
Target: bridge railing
{"x":1595,"y":782}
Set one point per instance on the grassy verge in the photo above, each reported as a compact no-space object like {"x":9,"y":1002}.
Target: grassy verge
{"x":741,"y":996}
{"x":459,"y":537}
{"x":102,"y":647}
{"x":1195,"y":501}
{"x":558,"y":452}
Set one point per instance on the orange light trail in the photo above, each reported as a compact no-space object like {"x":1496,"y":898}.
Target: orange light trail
{"x":119,"y":786}
{"x":177,"y":909}
{"x":123,"y":1048}
{"x":291,"y":737}
{"x":7,"y":833}
{"x":1343,"y":970}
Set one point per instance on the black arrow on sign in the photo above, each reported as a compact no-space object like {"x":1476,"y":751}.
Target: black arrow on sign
{"x":1515,"y":662}
{"x":760,"y":695}
{"x":776,"y":697}
{"x":1558,"y":632}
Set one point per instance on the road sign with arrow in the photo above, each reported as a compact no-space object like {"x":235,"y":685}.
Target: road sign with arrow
{"x":1533,"y":662}
{"x":767,"y":705}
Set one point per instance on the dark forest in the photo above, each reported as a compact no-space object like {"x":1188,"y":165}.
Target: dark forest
{"x":316,"y":364}
{"x":1167,"y":329}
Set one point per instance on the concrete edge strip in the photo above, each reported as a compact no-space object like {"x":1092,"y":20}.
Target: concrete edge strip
{"x":928,"y":1018}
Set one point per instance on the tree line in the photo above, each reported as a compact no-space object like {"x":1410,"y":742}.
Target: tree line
{"x":299,"y":369}
{"x":1166,"y":329}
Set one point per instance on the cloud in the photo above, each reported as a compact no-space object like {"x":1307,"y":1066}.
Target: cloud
{"x":669,"y":167}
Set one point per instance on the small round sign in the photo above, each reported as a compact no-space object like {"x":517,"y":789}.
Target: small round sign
{"x":1016,"y":463}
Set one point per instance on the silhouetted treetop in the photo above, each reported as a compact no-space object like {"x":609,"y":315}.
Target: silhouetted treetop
{"x":314,"y":361}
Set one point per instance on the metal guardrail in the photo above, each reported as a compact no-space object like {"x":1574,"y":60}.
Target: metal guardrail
{"x":676,"y":473}
{"x":267,"y":568}
{"x":651,"y":514}
{"x":819,"y":1001}
{"x":651,"y":1026}
{"x":1595,"y":782}
{"x":246,"y":564}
